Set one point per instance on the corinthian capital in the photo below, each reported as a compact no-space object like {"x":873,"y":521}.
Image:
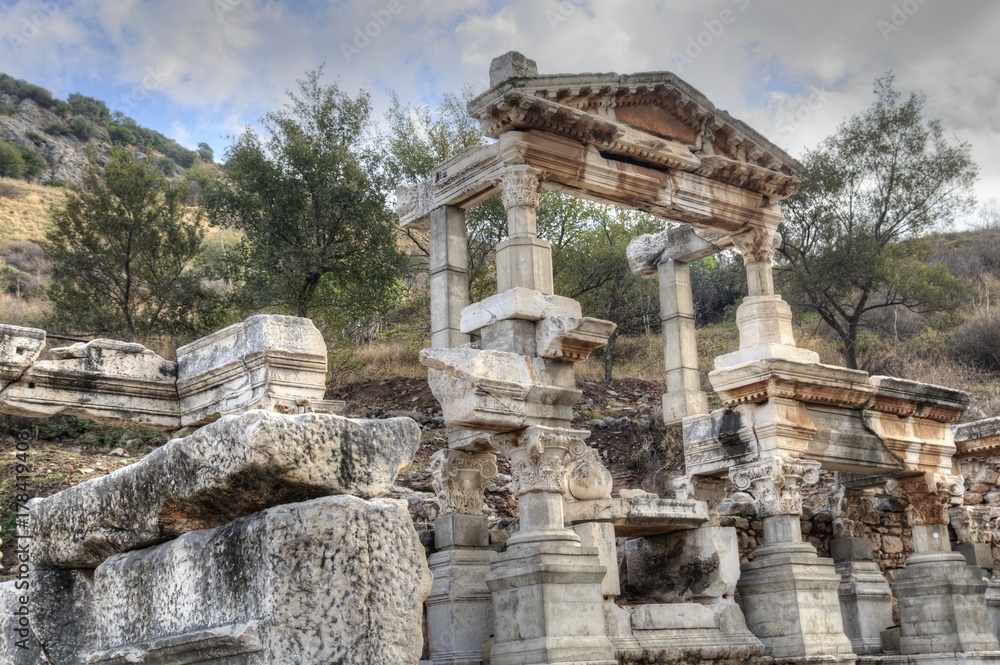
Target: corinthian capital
{"x":758,"y":244}
{"x":971,"y":523}
{"x":849,"y":507}
{"x":460,"y":478}
{"x":541,"y":457}
{"x":930,"y":496}
{"x":520,"y":186}
{"x":776,"y":484}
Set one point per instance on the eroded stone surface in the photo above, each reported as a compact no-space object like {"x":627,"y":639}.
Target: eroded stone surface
{"x":571,"y":338}
{"x":19,"y":347}
{"x":231,"y":468}
{"x":517,"y":303}
{"x":104,"y":380}
{"x":265,"y":362}
{"x":333,"y":580}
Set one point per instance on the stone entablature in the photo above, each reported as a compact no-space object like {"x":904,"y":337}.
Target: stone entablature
{"x":980,"y":438}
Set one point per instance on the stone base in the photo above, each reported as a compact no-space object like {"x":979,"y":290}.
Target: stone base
{"x":993,"y":604}
{"x":679,"y":405}
{"x":791,"y":604}
{"x":962,"y":658}
{"x":459,"y":610}
{"x":547,"y":606}
{"x":942,"y":607}
{"x":865,"y":596}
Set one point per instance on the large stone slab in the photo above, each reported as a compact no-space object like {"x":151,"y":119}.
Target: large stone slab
{"x":498,"y":391}
{"x":638,"y":516}
{"x":516,"y":304}
{"x":333,"y":580}
{"x":104,"y":380}
{"x":228,"y":469}
{"x":268,"y":362}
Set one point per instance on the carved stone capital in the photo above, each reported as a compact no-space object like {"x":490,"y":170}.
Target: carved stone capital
{"x":971,"y":523}
{"x":849,"y":507}
{"x":930,"y":496}
{"x":757,"y":244}
{"x":776,"y":484}
{"x":460,"y":478}
{"x":520,"y":186}
{"x":541,"y":458}
{"x":702,"y":488}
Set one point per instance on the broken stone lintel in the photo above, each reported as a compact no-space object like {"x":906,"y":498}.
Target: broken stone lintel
{"x":233,"y":467}
{"x":686,"y":244}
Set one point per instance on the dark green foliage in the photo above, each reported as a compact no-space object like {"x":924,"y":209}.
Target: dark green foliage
{"x":11,"y":161}
{"x":34,"y":164}
{"x":886,"y":177}
{"x":90,"y":108}
{"x":36,"y":138}
{"x":121,"y":249}
{"x":121,"y":135}
{"x":7,"y":108}
{"x":319,"y":239}
{"x":21,"y":89}
{"x":82,"y":128}
{"x":718,"y":284}
{"x":205,"y":153}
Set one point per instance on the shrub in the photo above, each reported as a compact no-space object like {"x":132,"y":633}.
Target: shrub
{"x":36,"y":138}
{"x":82,"y":128}
{"x":121,"y":135}
{"x":6,"y":108}
{"x":977,"y":341}
{"x":56,"y":129}
{"x":11,"y":161}
{"x":34,"y":164}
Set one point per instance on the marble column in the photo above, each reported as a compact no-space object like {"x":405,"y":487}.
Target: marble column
{"x":764,"y":319}
{"x":547,"y":594}
{"x":684,"y":396}
{"x":449,"y":276}
{"x":942,"y":607}
{"x":523,"y":260}
{"x":459,"y":608}
{"x":789,"y":593}
{"x":865,"y":595}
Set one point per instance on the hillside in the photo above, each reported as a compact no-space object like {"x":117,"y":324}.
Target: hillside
{"x":25,"y":209}
{"x":54,"y":136}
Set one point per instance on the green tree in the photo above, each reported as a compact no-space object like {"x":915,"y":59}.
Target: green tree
{"x":34,"y":164}
{"x":885,"y":178}
{"x":205,"y":153}
{"x":121,"y":249}
{"x":312,"y":209}
{"x":11,"y":161}
{"x":88,"y":107}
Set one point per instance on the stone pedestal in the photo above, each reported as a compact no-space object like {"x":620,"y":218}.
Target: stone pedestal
{"x":865,"y":596}
{"x":789,"y":594}
{"x":993,"y":604}
{"x":791,"y":604}
{"x":459,"y":608}
{"x":942,"y":606}
{"x":547,"y":601}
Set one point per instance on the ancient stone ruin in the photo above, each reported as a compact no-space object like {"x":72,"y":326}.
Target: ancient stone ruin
{"x":261,"y":533}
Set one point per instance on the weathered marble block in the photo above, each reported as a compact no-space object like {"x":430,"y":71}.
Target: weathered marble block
{"x":228,"y":469}
{"x":516,"y":304}
{"x":104,"y":380}
{"x":19,"y":347}
{"x":497,"y":391}
{"x":571,"y":338}
{"x":266,"y":362}
{"x":333,"y":580}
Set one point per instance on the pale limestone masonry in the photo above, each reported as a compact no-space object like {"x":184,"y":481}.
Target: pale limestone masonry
{"x":277,"y":363}
{"x":231,"y":468}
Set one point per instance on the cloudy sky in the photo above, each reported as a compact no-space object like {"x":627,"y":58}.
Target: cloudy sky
{"x":201,"y":70}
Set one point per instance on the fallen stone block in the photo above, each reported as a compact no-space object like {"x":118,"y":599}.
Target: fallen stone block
{"x":228,"y":469}
{"x":277,"y":363}
{"x":571,"y":338}
{"x":334,"y":580}
{"x":104,"y":380}
{"x":519,"y":304}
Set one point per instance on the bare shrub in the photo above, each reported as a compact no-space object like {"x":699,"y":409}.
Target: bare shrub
{"x":977,"y":341}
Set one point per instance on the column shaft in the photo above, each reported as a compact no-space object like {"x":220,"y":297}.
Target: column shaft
{"x":684,"y":396}
{"x":449,"y":273}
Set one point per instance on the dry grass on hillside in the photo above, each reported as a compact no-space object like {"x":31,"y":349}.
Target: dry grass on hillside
{"x":16,"y":311}
{"x":25,"y":209}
